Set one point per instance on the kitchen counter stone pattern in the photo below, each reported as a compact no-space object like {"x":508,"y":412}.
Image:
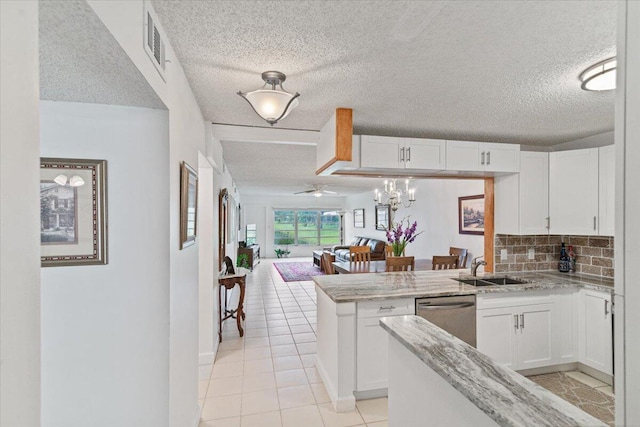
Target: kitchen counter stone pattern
{"x":504,"y":395}
{"x":374,"y":286}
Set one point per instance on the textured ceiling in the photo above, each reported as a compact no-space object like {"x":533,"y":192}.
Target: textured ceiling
{"x":503,"y":71}
{"x":80,"y":61}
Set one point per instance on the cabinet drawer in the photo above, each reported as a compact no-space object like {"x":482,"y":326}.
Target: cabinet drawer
{"x":514,"y":299}
{"x":389,"y":307}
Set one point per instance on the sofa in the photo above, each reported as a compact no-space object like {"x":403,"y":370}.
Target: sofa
{"x":377,"y":248}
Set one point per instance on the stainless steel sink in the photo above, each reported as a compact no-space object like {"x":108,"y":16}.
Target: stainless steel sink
{"x":493,"y":281}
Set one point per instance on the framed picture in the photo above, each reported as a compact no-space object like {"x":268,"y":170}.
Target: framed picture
{"x":188,"y":205}
{"x":383,"y":217}
{"x":358,"y":218}
{"x":73,"y":212}
{"x":471,"y":214}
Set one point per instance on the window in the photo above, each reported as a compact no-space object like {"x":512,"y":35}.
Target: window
{"x":306,"y":227}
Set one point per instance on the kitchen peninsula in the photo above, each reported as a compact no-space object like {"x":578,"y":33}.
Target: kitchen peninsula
{"x":352,"y":349}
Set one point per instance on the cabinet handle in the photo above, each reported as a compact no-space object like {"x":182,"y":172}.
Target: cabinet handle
{"x":594,"y":223}
{"x":515,"y":321}
{"x":488,"y":157}
{"x":389,"y":308}
{"x":606,"y":308}
{"x":522,"y":321}
{"x":409,"y":154}
{"x":482,"y":158}
{"x":402,"y":154}
{"x":548,"y":222}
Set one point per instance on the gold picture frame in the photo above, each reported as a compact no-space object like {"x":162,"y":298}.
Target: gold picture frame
{"x":73,"y":212}
{"x":188,"y":205}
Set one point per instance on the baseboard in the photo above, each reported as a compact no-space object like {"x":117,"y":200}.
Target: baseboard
{"x":565,"y":367}
{"x":198,"y":415}
{"x":600,"y":376}
{"x":206,"y":358}
{"x":340,"y":404}
{"x":371,"y":394}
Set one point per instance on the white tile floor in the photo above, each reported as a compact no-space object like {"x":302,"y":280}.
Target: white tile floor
{"x":268,"y":378}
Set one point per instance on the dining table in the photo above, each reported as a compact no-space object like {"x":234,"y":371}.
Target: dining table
{"x":346,"y":267}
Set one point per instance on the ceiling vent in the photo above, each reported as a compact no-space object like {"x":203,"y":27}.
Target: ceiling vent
{"x":154,"y":44}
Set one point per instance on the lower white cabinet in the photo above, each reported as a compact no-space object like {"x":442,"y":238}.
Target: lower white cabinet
{"x":372,"y":349}
{"x":595,"y":330}
{"x":520,"y":331}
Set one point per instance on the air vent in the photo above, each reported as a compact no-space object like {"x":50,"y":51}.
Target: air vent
{"x":154,"y":45}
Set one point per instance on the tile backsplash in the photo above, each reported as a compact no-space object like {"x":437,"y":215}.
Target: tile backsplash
{"x":594,"y":254}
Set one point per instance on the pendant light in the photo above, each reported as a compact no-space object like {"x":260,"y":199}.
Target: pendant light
{"x":272,"y":104}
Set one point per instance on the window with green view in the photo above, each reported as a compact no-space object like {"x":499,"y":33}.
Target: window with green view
{"x":306,"y":227}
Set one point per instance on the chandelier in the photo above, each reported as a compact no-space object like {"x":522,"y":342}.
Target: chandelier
{"x":394,"y":196}
{"x":272,"y":104}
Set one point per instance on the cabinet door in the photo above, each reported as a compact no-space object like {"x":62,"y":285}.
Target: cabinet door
{"x":424,"y":153}
{"x":380,"y":152}
{"x":573,"y":192}
{"x":596,"y":335}
{"x":534,"y":192}
{"x":496,"y":334}
{"x":500,"y":157}
{"x":606,"y":193}
{"x":372,"y":370}
{"x":535,"y":339}
{"x":463,"y":156}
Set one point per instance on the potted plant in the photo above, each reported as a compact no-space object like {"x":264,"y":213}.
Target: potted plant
{"x":243,"y":261}
{"x":399,"y":238}
{"x":282,"y":253}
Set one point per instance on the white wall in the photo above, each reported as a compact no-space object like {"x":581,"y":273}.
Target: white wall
{"x":435,"y":209}
{"x":105,"y":329}
{"x":19,"y":216}
{"x":253,"y":205}
{"x":187,"y":137}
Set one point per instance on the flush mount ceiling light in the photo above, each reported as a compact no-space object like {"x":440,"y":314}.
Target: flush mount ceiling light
{"x":601,"y":76}
{"x":271,"y":104}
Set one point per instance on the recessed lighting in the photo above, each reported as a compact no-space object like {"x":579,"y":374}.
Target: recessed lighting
{"x":601,"y":76}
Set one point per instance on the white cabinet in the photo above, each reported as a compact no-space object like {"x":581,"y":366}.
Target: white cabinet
{"x":573,"y":192}
{"x":606,"y":193}
{"x":372,"y":351}
{"x":383,"y":152}
{"x":522,"y":200}
{"x":519,"y":331}
{"x":482,"y":157}
{"x":596,"y":346}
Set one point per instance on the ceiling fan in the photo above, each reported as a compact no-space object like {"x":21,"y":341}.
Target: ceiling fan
{"x":317,"y":190}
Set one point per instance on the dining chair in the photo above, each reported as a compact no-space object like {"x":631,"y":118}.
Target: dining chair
{"x":444,"y":262}
{"x":359,"y":253}
{"x":462,"y":255}
{"x":327,"y":263}
{"x":400,"y":263}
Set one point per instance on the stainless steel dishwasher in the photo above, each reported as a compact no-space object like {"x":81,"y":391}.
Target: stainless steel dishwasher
{"x":455,"y":314}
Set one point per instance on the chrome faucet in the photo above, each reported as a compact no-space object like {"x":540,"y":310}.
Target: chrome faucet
{"x":475,"y":264}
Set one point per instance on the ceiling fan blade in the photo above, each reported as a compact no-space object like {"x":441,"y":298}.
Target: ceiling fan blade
{"x":329,"y":192}
{"x":306,"y":191}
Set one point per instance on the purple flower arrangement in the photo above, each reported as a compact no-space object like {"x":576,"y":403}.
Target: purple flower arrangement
{"x":399,"y":238}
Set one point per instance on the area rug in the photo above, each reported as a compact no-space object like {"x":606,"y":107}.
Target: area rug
{"x":588,"y":399}
{"x":297,"y":271}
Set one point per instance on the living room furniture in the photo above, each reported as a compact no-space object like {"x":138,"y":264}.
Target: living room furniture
{"x":227,"y":283}
{"x":253,"y":254}
{"x":360,"y":254}
{"x":380,"y":266}
{"x":445,"y":262}
{"x":377,"y":248}
{"x":400,"y":263}
{"x":317,"y":260}
{"x":462,"y":256}
{"x":327,"y":260}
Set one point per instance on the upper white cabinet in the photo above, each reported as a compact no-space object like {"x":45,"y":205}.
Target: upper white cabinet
{"x":383,"y":152}
{"x":522,"y":200}
{"x":573,"y":192}
{"x":482,"y":157}
{"x":606,"y":193}
{"x":596,"y":345}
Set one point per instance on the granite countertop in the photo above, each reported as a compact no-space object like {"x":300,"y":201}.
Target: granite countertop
{"x":504,"y":395}
{"x":373,"y":286}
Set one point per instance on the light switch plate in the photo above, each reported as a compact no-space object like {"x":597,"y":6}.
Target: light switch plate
{"x":532,"y":253}
{"x":503,"y":254}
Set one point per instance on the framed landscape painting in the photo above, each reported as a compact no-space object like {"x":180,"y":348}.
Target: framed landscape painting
{"x":73,"y":212}
{"x":358,"y":218}
{"x":188,"y":205}
{"x":383,"y":217}
{"x":471,"y":214}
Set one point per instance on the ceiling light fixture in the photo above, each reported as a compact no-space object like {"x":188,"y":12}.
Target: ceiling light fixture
{"x":394,"y":195}
{"x":601,"y":76}
{"x":271,"y":104}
